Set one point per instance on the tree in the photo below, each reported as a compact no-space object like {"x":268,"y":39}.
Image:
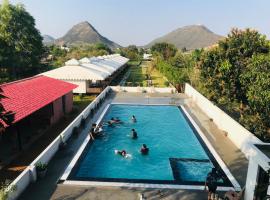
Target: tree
{"x":21,"y":43}
{"x":256,"y":79}
{"x":236,"y":76}
{"x":102,"y":46}
{"x":131,"y":52}
{"x":164,"y":49}
{"x":222,"y":66}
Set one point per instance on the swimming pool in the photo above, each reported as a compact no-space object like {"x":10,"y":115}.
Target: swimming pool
{"x":177,"y":153}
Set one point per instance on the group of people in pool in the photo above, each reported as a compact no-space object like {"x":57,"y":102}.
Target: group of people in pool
{"x":97,"y":131}
{"x":144,"y":149}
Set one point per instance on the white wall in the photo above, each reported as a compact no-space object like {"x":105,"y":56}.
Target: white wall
{"x":144,"y":89}
{"x":81,"y":85}
{"x":29,"y":174}
{"x":251,"y":179}
{"x":240,"y":136}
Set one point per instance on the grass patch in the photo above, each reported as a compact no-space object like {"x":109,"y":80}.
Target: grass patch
{"x":138,"y":76}
{"x":81,"y":101}
{"x":134,"y":62}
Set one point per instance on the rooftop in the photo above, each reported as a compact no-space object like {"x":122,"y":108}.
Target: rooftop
{"x":29,"y":95}
{"x":95,"y":68}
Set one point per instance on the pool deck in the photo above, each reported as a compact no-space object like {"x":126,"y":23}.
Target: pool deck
{"x":48,"y":188}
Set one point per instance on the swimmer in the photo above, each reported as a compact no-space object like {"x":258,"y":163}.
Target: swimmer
{"x":133,"y":119}
{"x":96,"y":131}
{"x":144,"y":149}
{"x":134,"y":134}
{"x":114,"y":121}
{"x":122,"y":153}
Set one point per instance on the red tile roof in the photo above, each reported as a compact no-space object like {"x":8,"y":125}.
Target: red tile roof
{"x":29,"y":95}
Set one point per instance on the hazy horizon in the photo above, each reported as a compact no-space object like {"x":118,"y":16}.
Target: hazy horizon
{"x":139,"y":21}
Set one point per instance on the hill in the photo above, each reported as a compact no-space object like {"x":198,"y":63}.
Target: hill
{"x":84,"y":33}
{"x":189,"y":37}
{"x":47,"y":39}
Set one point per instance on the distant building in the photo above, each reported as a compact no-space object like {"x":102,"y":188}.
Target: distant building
{"x":65,"y":48}
{"x":91,"y":75}
{"x":38,"y":102}
{"x":147,"y":56}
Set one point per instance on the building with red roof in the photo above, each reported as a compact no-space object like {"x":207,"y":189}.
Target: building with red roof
{"x":37,"y":102}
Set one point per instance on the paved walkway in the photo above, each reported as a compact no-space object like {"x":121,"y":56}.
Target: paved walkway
{"x":47,"y":188}
{"x":228,"y":152}
{"x":106,"y":193}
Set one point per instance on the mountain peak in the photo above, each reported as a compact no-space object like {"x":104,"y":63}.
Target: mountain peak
{"x":82,"y":33}
{"x":189,"y":37}
{"x":47,"y":39}
{"x":85,"y":24}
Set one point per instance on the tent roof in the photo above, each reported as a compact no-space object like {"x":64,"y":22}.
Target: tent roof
{"x":76,"y":73}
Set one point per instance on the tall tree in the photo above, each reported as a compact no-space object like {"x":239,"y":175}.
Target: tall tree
{"x":166,"y":50}
{"x":236,"y":75}
{"x":222,"y":66}
{"x":21,"y":43}
{"x":256,"y":79}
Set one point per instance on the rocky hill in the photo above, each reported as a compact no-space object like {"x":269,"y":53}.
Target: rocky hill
{"x":84,"y":33}
{"x":189,"y":37}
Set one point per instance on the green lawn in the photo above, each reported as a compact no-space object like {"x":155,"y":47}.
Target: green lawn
{"x":138,"y":76}
{"x":81,"y":101}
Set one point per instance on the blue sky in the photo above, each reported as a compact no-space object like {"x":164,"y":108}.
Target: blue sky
{"x":140,"y":21}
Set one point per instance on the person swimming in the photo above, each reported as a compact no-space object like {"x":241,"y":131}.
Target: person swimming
{"x":134,"y":134}
{"x":133,"y":119}
{"x":144,"y":149}
{"x":114,"y":121}
{"x":122,"y":153}
{"x":96,"y":131}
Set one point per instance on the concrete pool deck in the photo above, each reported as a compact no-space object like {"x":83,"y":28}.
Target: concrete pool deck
{"x":48,"y":188}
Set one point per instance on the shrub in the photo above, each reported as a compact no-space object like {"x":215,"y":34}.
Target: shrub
{"x":5,"y":190}
{"x":41,"y":166}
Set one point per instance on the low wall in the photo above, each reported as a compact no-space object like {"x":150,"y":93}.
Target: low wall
{"x":240,"y":136}
{"x":144,"y":89}
{"x":29,"y":174}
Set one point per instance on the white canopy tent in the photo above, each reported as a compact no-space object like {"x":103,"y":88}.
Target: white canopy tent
{"x":86,"y":62}
{"x":89,"y":72}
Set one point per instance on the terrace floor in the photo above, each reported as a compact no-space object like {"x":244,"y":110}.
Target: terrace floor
{"x":48,"y":188}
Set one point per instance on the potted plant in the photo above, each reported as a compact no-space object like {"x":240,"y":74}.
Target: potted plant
{"x":41,"y":169}
{"x":62,"y":144}
{"x":5,"y":189}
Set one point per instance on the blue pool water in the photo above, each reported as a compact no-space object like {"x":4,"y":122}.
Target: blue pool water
{"x":165,"y":131}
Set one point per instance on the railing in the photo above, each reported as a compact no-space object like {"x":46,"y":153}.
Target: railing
{"x":29,"y":174}
{"x":240,"y":136}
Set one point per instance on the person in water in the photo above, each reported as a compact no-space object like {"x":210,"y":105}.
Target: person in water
{"x":134,"y":134}
{"x":95,"y":131}
{"x":133,"y":119}
{"x":144,"y":149}
{"x":122,"y":153}
{"x":114,"y":121}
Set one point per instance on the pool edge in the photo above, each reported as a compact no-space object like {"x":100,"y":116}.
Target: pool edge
{"x":66,"y":174}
